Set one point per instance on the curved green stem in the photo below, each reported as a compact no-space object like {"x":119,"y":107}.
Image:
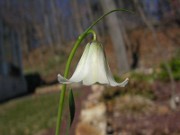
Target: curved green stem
{"x":63,"y":91}
{"x":76,"y":45}
{"x":93,"y":33}
{"x":100,"y":18}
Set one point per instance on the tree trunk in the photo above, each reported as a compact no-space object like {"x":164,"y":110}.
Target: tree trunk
{"x":46,"y":25}
{"x":115,"y":32}
{"x":55,"y":28}
{"x":2,"y":55}
{"x":77,"y":16}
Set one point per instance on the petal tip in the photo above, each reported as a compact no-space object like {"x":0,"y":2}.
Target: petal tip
{"x":124,"y":83}
{"x":58,"y":75}
{"x":62,"y":80}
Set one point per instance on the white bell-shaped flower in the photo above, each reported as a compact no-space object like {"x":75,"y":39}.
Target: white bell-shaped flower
{"x":92,"y":68}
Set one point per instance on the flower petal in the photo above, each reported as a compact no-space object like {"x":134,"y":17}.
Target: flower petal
{"x":90,"y":68}
{"x":78,"y":74}
{"x":81,"y":70}
{"x":93,"y":68}
{"x":122,"y":84}
{"x":112,"y":82}
{"x":63,"y":80}
{"x":102,"y":75}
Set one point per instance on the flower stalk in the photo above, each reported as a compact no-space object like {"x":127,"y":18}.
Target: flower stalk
{"x":63,"y":90}
{"x":72,"y":53}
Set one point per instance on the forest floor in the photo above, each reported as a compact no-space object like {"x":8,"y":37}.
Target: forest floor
{"x":134,"y":114}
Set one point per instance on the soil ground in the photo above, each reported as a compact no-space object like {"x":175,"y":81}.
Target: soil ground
{"x":157,"y":119}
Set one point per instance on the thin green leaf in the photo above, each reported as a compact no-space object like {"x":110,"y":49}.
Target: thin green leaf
{"x":72,"y":107}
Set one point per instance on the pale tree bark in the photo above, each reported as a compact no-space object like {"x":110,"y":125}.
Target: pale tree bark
{"x":97,"y":11}
{"x":132,"y":47}
{"x":24,"y":37}
{"x":34,"y":25}
{"x":16,"y":51}
{"x":2,"y":55}
{"x":55,"y":29}
{"x":19,"y":52}
{"x":15,"y":46}
{"x":90,"y":13}
{"x":23,"y":40}
{"x":158,"y":44}
{"x":89,"y":10}
{"x":60,"y":26}
{"x":115,"y":32}
{"x":46,"y":23}
{"x":77,"y":16}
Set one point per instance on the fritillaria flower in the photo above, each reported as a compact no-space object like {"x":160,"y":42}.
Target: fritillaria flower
{"x":92,"y":68}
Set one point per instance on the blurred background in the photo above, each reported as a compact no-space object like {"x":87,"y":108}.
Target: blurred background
{"x":36,"y":37}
